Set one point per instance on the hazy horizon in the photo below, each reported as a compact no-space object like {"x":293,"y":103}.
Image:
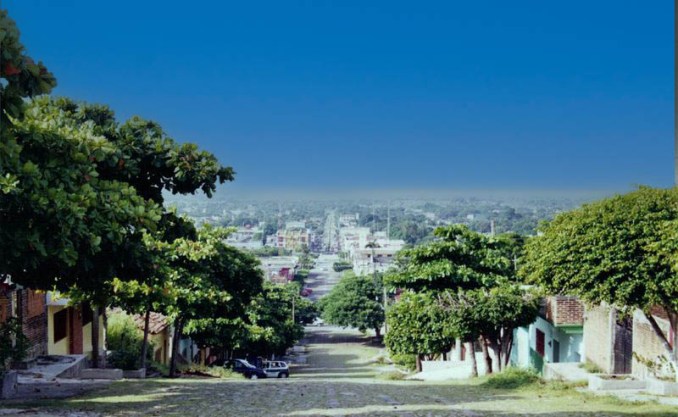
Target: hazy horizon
{"x":231,"y":192}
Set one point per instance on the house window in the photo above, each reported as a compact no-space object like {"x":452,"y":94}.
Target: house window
{"x":60,"y":325}
{"x":540,"y":343}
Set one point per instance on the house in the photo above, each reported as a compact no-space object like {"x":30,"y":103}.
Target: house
{"x":51,"y":324}
{"x":556,"y":336}
{"x":159,"y":335}
{"x":69,"y":327}
{"x":29,"y":306}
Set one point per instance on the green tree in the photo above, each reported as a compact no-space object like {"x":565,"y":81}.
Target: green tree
{"x":473,"y":277}
{"x":492,"y":315}
{"x":355,"y":302}
{"x":460,"y":260}
{"x":620,"y":251}
{"x":209,"y":279}
{"x":418,"y":325}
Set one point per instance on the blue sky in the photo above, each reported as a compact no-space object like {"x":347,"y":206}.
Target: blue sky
{"x":370,"y":94}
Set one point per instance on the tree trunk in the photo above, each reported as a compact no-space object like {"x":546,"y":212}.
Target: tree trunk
{"x":418,"y":365}
{"x":673,"y":323}
{"x":144,"y":345}
{"x":474,"y":361}
{"x":671,"y":351}
{"x":456,"y":353}
{"x":95,"y":337}
{"x":486,"y":355}
{"x":377,"y":331}
{"x":497,"y":356}
{"x":178,"y":327}
{"x":506,"y":347}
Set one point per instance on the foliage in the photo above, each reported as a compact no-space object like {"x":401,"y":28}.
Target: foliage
{"x":392,"y":376}
{"x":471,"y":279}
{"x":418,"y":325}
{"x":300,"y":277}
{"x":306,"y":311}
{"x":271,"y":329}
{"x":270,"y":251}
{"x":620,"y":250}
{"x":341,"y":266}
{"x":405,"y":360}
{"x":492,"y":314}
{"x":512,"y":378}
{"x":213,"y":371}
{"x":124,"y":340}
{"x":13,"y":343}
{"x":460,"y":260}
{"x":354,"y":302}
{"x":23,"y":77}
{"x":591,"y":367}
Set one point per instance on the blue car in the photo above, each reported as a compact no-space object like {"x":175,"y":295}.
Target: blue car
{"x":245,"y":368}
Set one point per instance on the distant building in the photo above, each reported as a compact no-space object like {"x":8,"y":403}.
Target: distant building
{"x":280,"y":269}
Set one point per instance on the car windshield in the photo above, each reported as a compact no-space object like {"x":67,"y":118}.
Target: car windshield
{"x":247,"y":364}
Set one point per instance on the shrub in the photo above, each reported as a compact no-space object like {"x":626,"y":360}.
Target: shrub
{"x":13,"y":343}
{"x":125,"y":341}
{"x":407,"y":361}
{"x":512,"y":378}
{"x":213,"y":371}
{"x":591,"y":367}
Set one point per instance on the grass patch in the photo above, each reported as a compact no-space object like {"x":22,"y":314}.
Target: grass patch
{"x":380,"y":360}
{"x":512,"y":378}
{"x":209,"y":371}
{"x":591,"y":368}
{"x":392,"y":376}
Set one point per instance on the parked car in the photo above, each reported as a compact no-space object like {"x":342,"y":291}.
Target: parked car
{"x":277,"y":369}
{"x":241,"y":366}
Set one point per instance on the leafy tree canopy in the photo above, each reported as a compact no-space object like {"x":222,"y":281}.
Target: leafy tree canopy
{"x":620,"y":251}
{"x":418,"y":325}
{"x":354,"y":302}
{"x":460,"y":259}
{"x":612,"y":251}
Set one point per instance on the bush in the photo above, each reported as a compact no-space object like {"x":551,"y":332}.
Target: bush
{"x":212,"y":371}
{"x":591,"y":367}
{"x":125,"y":341}
{"x":512,"y":378}
{"x":13,"y":343}
{"x":342,"y":266}
{"x":407,"y":361}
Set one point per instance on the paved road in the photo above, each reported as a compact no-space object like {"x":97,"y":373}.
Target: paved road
{"x":337,"y":381}
{"x":322,"y":277}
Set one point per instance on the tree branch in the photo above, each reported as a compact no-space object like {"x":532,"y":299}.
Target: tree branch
{"x":659,"y":332}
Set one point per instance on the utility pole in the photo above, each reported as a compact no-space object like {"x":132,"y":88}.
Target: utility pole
{"x":293,"y":300}
{"x":388,"y":218}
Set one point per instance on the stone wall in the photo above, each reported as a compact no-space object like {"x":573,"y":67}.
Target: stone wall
{"x":598,"y":336}
{"x":647,"y":346}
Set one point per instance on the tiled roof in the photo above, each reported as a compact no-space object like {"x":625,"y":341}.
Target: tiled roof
{"x":156,"y":324}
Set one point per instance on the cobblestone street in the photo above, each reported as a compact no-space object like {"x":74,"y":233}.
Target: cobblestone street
{"x":337,"y":380}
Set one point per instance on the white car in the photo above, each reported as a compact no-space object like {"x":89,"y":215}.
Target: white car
{"x":276,"y":369}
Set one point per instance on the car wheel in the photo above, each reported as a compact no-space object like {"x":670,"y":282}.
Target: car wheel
{"x":254,"y":376}
{"x":284,"y":375}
